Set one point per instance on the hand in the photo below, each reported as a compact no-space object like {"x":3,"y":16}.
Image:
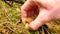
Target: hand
{"x":46,"y":10}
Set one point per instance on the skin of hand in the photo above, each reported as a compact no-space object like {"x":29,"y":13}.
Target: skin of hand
{"x":46,"y":10}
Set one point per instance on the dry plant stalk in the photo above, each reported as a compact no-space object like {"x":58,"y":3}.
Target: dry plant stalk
{"x":15,"y":28}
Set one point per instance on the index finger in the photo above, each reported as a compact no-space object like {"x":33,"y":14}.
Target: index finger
{"x":26,"y":7}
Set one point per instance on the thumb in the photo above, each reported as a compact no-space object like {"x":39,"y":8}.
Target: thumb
{"x":40,"y":20}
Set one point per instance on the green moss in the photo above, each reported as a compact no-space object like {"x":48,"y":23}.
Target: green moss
{"x":14,"y":14}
